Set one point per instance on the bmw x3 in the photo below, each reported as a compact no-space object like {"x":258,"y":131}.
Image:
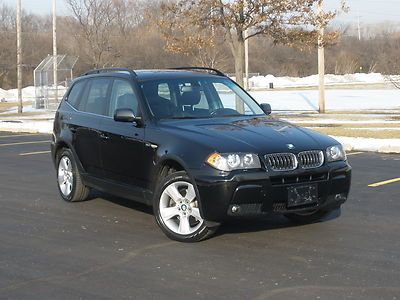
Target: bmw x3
{"x":195,"y":146}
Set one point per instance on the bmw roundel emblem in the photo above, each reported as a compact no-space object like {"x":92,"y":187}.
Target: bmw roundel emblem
{"x":290,"y":146}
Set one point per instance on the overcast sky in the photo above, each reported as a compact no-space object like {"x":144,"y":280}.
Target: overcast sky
{"x":369,"y":10}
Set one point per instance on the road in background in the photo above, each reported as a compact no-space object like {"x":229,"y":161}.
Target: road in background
{"x":111,"y":248}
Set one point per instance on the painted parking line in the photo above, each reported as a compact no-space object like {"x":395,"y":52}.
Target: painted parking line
{"x":20,"y":135}
{"x":24,"y":143}
{"x":34,"y":153}
{"x":384,"y":182}
{"x":354,"y":153}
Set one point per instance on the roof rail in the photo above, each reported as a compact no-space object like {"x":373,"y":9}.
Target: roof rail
{"x":217,"y":72}
{"x":110,"y":70}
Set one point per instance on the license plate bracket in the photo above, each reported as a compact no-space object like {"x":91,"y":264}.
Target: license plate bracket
{"x":302,"y":195}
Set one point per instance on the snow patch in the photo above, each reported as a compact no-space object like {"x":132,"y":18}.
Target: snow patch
{"x":336,"y":100}
{"x":282,"y":82}
{"x":28,"y":93}
{"x":369,"y":144}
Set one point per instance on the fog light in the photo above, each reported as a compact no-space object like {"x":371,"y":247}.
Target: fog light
{"x":235,"y":208}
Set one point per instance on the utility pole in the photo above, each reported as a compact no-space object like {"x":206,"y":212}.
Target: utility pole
{"x":246,"y":58}
{"x":19,"y":57}
{"x":359,"y":27}
{"x":55,"y":51}
{"x":321,"y":61}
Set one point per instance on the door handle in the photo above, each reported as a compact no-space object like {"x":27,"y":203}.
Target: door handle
{"x":104,"y":136}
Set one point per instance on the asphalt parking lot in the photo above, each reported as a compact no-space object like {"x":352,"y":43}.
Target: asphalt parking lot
{"x":111,"y":248}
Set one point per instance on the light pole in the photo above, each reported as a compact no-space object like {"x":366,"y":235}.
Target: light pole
{"x":19,"y":57}
{"x":321,"y":61}
{"x":55,"y":51}
{"x":246,"y":58}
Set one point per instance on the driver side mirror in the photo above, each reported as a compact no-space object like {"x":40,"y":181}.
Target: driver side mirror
{"x":126,"y":115}
{"x":266,"y":108}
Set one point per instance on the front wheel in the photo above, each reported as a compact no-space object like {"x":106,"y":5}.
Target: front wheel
{"x":176,"y":209}
{"x":310,"y":216}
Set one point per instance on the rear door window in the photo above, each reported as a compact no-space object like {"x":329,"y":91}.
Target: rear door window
{"x":96,"y":99}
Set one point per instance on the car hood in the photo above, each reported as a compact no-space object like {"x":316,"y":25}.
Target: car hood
{"x":258,"y":135}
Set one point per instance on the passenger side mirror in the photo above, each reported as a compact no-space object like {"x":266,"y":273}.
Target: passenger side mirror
{"x":126,"y":115}
{"x":266,"y":108}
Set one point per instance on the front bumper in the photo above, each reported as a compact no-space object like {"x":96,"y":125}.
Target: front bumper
{"x":257,"y":193}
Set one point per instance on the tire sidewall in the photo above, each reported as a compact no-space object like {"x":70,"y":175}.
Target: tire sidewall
{"x":67,"y":153}
{"x":174,"y":177}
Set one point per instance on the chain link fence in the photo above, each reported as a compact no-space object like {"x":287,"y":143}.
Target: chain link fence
{"x":47,"y":94}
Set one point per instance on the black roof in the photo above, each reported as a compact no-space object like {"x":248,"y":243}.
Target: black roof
{"x":154,"y":74}
{"x":167,"y":73}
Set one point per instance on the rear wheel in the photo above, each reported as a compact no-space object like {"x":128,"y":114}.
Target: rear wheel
{"x":69,"y":180}
{"x":309,"y":216}
{"x":176,"y":209}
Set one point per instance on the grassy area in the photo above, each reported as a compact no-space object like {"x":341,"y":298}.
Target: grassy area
{"x":4,"y":106}
{"x":298,"y":118}
{"x":342,"y":86}
{"x":365,"y":128}
{"x":351,"y":125}
{"x":24,"y":114}
{"x":381,"y":134}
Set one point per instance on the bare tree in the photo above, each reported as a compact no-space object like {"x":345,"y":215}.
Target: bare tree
{"x":134,"y":40}
{"x":129,"y":14}
{"x":7,"y":35}
{"x":94,"y":27}
{"x":293,"y":22}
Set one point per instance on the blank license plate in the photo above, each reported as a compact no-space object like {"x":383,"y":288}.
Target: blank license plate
{"x":302,"y":195}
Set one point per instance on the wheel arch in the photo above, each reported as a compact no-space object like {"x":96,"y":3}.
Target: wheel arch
{"x":163,"y":167}
{"x":61,"y":144}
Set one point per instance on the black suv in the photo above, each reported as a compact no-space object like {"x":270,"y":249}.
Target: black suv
{"x":194,"y":145}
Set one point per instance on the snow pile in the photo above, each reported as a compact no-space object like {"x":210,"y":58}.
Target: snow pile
{"x":12,"y":95}
{"x":282,"y":82}
{"x":2,"y":93}
{"x":28,"y":93}
{"x":27,"y":126}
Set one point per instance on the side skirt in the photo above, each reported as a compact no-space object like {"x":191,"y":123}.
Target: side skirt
{"x":121,"y":190}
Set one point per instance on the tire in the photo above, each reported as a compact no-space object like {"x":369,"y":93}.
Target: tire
{"x":308,"y":216}
{"x":176,"y":209}
{"x":69,"y":181}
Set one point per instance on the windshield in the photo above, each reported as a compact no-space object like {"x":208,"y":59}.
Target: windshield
{"x":198,"y":98}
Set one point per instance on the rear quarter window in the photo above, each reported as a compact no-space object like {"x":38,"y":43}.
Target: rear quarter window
{"x":75,"y":94}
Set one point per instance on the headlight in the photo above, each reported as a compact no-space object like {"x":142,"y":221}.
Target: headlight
{"x":234,"y":161}
{"x":335,"y":153}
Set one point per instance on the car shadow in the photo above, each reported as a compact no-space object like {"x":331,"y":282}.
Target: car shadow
{"x":231,"y":226}
{"x":270,"y":222}
{"x":94,"y":194}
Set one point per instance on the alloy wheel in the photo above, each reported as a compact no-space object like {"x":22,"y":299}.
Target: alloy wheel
{"x":179,"y":208}
{"x":65,"y":176}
